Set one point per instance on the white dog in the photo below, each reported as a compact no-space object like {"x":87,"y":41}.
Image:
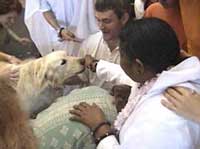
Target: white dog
{"x":39,"y":78}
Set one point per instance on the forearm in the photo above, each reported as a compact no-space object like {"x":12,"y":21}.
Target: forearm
{"x":13,"y":34}
{"x":4,"y":56}
{"x":51,"y":19}
{"x":113,"y":73}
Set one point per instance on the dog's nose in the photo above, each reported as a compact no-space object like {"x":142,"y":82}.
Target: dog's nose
{"x":82,"y":61}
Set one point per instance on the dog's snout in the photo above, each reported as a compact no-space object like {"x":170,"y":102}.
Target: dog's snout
{"x":82,"y":61}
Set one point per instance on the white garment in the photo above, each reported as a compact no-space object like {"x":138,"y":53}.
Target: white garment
{"x":98,"y":48}
{"x":139,"y":8}
{"x":113,"y":73}
{"x":151,"y":125}
{"x":77,"y":15}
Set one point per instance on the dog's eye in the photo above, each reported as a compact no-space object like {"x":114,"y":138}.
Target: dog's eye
{"x":63,"y":62}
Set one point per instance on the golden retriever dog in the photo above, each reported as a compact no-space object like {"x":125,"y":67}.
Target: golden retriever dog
{"x":16,"y":133}
{"x":39,"y":79}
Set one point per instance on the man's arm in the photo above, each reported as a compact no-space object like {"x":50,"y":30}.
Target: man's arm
{"x":51,"y":19}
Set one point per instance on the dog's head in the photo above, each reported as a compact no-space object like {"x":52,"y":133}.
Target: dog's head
{"x":58,"y":67}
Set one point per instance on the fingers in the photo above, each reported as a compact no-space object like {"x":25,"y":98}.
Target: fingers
{"x":76,"y":112}
{"x":80,"y":109}
{"x":172,"y":99}
{"x":168,"y":105}
{"x":185,"y":91}
{"x":173,"y":93}
{"x":14,"y":73}
{"x":75,"y":118}
{"x":79,"y":112}
{"x":84,"y":104}
{"x":69,"y":36}
{"x":90,"y":63}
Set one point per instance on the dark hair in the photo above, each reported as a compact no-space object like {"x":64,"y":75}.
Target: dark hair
{"x":7,"y":6}
{"x":118,"y":6}
{"x":152,"y":41}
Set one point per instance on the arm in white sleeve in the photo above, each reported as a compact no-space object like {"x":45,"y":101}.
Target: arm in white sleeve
{"x":113,"y":73}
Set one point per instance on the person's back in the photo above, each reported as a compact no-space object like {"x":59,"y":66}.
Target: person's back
{"x":144,"y":118}
{"x":161,"y":127}
{"x":171,"y":16}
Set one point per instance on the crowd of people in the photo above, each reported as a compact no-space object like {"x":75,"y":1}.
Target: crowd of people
{"x":148,"y":49}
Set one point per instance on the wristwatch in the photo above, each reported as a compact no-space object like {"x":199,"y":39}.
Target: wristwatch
{"x":59,"y":31}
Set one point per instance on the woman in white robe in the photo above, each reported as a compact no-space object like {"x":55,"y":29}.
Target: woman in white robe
{"x":150,"y":55}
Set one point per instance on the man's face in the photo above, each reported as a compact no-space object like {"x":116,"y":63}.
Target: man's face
{"x":8,"y":19}
{"x":169,"y":3}
{"x":109,"y":24}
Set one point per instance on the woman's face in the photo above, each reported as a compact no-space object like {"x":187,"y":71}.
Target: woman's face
{"x":8,"y":19}
{"x":131,"y":68}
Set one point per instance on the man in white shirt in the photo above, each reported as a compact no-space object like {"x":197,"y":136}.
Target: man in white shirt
{"x":111,"y":16}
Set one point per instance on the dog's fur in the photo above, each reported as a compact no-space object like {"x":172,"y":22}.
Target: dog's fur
{"x":15,"y":132}
{"x":38,"y":79}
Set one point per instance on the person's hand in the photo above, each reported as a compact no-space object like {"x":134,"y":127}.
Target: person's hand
{"x":10,"y":73}
{"x":24,"y":41}
{"x":90,"y":63}
{"x":90,"y":115}
{"x":184,"y":54}
{"x":13,"y":60}
{"x":69,"y":36}
{"x":121,"y":94}
{"x":184,"y":102}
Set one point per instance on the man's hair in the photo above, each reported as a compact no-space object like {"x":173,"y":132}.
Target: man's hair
{"x":7,"y":6}
{"x":152,"y":41}
{"x":118,"y":6}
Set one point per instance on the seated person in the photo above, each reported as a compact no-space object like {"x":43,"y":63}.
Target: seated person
{"x":111,"y":16}
{"x":149,"y":55}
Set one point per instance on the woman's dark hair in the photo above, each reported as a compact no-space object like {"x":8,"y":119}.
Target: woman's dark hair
{"x":7,"y":6}
{"x":118,"y":6}
{"x":152,"y":41}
